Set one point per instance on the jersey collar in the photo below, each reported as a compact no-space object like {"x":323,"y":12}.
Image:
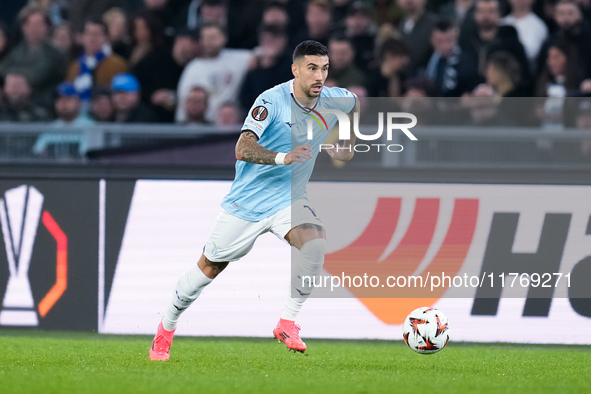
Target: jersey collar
{"x":295,"y":100}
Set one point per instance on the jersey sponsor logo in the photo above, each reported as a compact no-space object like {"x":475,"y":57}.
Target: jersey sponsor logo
{"x":20,"y":211}
{"x":255,"y":124}
{"x":260,"y":113}
{"x":266,"y":102}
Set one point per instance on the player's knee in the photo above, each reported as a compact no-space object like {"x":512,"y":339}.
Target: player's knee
{"x":313,"y":250}
{"x":213,"y":268}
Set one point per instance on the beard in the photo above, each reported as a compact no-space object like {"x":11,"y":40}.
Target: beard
{"x":310,"y":92}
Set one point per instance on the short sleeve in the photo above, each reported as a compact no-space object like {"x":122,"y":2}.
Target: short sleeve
{"x":348,"y":101}
{"x":260,"y":116}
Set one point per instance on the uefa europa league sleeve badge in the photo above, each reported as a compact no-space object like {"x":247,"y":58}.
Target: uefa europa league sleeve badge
{"x":19,"y":213}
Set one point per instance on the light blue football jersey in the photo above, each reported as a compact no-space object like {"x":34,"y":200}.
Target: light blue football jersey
{"x":280,"y":122}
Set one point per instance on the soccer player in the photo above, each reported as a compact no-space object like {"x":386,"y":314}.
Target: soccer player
{"x":269,"y":186}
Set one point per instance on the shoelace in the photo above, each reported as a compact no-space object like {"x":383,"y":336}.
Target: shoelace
{"x":166,"y":341}
{"x":294,"y":329}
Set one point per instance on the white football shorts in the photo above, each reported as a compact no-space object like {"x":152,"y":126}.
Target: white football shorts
{"x":231,"y":238}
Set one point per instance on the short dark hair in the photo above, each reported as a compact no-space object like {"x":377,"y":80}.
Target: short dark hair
{"x":273,"y":29}
{"x":340,"y":37}
{"x":443,"y":25}
{"x":420,"y":83}
{"x":394,"y":47}
{"x":96,"y":21}
{"x":29,"y":10}
{"x":309,"y":48}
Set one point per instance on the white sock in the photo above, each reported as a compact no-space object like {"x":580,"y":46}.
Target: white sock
{"x":306,"y":262}
{"x":187,"y":290}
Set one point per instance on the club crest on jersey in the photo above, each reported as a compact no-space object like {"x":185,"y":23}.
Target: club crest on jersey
{"x":260,"y":113}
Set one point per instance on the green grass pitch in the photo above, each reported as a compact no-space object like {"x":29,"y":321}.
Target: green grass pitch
{"x":52,"y":362}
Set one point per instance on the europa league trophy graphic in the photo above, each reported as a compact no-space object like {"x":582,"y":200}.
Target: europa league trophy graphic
{"x":19,"y":213}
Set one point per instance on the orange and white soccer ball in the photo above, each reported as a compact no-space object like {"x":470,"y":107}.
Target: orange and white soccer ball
{"x":426,"y":330}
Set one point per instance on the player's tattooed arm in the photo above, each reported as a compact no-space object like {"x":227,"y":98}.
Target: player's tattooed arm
{"x":248,"y":149}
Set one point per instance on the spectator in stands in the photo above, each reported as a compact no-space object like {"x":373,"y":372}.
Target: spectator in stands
{"x":343,"y":71}
{"x":503,"y":77}
{"x":68,"y":105}
{"x":196,"y":13}
{"x":339,"y":11}
{"x":18,"y":104}
{"x":4,"y":40}
{"x":52,"y":8}
{"x":221,"y":71}
{"x":62,"y":39}
{"x":116,"y":20}
{"x":532,"y":31}
{"x":196,"y":106}
{"x":386,"y":12}
{"x":81,"y":11}
{"x":35,"y":57}
{"x":416,"y":29}
{"x":318,"y":22}
{"x":101,"y":106}
{"x":490,"y":36}
{"x":571,"y":27}
{"x":388,"y":79}
{"x":275,"y":14}
{"x":456,"y":11}
{"x":361,"y":31}
{"x":185,"y":47}
{"x":146,"y":36}
{"x":159,"y":93}
{"x":270,"y":65}
{"x":559,"y":79}
{"x":416,"y":100}
{"x":419,"y":87}
{"x":561,"y":73}
{"x":229,"y":115}
{"x":95,"y":66}
{"x":449,"y":69}
{"x":297,"y":15}
{"x":126,"y":101}
{"x":162,"y":11}
{"x":68,"y":110}
{"x":214,"y":11}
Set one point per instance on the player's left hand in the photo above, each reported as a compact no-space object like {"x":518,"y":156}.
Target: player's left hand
{"x":338,"y":152}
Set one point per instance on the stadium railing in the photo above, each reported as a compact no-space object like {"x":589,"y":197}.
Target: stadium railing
{"x":437,"y":147}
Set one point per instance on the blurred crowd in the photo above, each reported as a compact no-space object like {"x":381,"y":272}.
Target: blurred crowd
{"x":205,"y":61}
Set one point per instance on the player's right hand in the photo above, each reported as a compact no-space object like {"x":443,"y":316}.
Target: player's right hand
{"x":299,"y":154}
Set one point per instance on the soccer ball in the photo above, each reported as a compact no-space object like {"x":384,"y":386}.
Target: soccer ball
{"x":425,"y":330}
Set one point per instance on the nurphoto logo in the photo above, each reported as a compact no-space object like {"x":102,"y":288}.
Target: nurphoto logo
{"x":392,"y":125}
